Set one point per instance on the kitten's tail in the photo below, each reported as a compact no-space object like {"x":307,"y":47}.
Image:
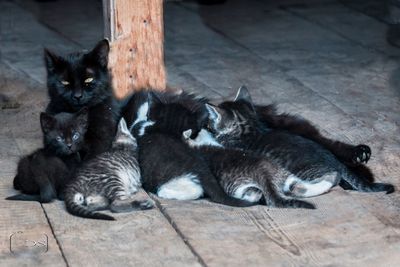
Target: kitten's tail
{"x":24,"y":197}
{"x":82,"y":211}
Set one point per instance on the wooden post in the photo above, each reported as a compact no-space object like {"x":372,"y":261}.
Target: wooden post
{"x":136,"y":31}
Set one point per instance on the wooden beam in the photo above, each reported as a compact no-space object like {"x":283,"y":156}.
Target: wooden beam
{"x":136,"y":31}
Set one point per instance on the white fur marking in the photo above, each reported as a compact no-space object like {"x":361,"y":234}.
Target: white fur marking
{"x":144,"y":126}
{"x":141,"y":114}
{"x":184,"y":187}
{"x":312,"y":189}
{"x":240,"y":193}
{"x":204,"y":138}
{"x":79,"y":198}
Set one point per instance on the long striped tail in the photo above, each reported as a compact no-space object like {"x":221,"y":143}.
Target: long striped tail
{"x":82,"y":211}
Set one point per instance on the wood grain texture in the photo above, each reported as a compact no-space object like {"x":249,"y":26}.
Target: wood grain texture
{"x":136,"y":33}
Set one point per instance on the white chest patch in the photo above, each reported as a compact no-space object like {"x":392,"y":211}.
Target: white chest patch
{"x":184,"y":187}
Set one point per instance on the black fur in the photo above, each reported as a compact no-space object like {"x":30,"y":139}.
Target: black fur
{"x":163,"y":155}
{"x":82,"y":80}
{"x":45,"y":172}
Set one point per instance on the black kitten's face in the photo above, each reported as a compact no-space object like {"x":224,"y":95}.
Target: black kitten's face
{"x":80,"y":79}
{"x":175,"y":119}
{"x":64,"y":132}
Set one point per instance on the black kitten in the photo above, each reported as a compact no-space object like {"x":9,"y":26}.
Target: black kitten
{"x":169,"y":167}
{"x":44,"y":173}
{"x":82,"y":80}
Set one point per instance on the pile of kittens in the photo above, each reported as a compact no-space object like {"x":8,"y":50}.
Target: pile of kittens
{"x":98,"y":152}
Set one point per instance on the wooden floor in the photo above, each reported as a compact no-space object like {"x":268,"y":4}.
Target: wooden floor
{"x":324,"y":60}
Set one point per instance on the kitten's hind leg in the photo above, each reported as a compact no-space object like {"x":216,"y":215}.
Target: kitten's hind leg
{"x":274,"y":199}
{"x":138,"y":201}
{"x":297,"y":187}
{"x":47,"y":193}
{"x":97,"y":202}
{"x":363,"y":185}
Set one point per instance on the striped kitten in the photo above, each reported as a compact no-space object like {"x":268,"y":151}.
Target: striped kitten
{"x":245,"y":175}
{"x":108,"y":181}
{"x":235,"y":124}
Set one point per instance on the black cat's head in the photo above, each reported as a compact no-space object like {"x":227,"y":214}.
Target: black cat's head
{"x":79,"y":79}
{"x":64,"y":133}
{"x":174,"y":116}
{"x":233,"y":119}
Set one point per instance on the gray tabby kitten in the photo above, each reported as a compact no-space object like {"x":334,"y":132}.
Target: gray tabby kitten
{"x":245,"y":175}
{"x":110,"y":180}
{"x":316,"y":170}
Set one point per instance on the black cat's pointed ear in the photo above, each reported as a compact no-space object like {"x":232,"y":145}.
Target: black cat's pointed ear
{"x":243,"y":94}
{"x":47,"y":122}
{"x":82,"y":117}
{"x":214,"y":113}
{"x":51,"y":60}
{"x":100,"y":53}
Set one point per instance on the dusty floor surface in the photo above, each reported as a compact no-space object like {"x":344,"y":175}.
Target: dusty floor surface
{"x":324,"y":60}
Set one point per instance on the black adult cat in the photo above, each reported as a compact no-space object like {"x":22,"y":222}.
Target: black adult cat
{"x":236,"y":124}
{"x":82,"y":80}
{"x":169,"y":168}
{"x":44,"y":173}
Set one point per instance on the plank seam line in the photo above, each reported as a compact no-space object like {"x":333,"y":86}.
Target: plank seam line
{"x":279,"y":66}
{"x":46,"y":25}
{"x":330,"y":29}
{"x":179,"y":232}
{"x":55,"y":237}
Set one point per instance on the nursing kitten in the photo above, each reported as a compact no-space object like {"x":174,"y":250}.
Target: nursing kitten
{"x":44,"y":173}
{"x":82,"y":80}
{"x":244,"y":175}
{"x":350,"y":155}
{"x":236,"y":124}
{"x":169,"y":167}
{"x":110,"y":180}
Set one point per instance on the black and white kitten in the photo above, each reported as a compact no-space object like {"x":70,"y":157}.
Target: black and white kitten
{"x":169,"y":167}
{"x":245,"y":175}
{"x":83,"y":80}
{"x":236,"y":124}
{"x":110,"y":180}
{"x":44,"y":173}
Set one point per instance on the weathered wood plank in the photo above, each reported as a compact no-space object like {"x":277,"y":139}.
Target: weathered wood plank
{"x":338,"y":233}
{"x":135,"y":29}
{"x":142,"y":238}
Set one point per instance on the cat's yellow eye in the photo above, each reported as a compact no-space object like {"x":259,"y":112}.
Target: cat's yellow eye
{"x":89,"y":80}
{"x":65,"y":82}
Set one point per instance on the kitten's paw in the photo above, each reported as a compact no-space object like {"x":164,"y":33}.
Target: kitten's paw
{"x":146,"y":204}
{"x":361,"y":154}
